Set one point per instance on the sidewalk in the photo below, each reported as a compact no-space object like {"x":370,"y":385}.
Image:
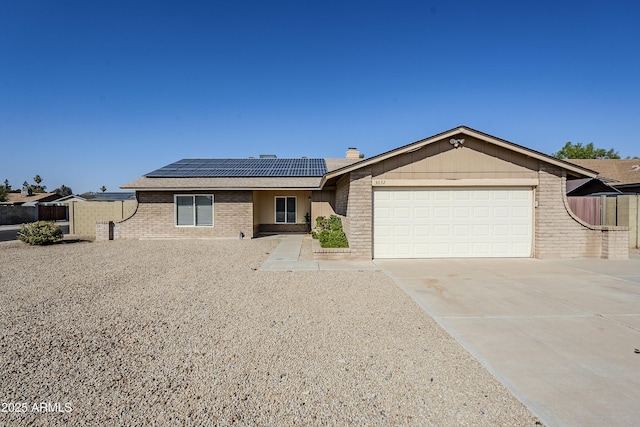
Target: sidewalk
{"x":286,"y":257}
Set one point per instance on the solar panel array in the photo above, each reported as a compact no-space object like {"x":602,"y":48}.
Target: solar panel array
{"x":218,"y":168}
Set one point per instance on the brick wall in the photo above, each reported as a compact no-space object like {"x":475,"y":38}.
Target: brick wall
{"x":358,"y":222}
{"x":558,"y":232}
{"x":155,"y":217}
{"x":615,"y":243}
{"x":104,"y":230}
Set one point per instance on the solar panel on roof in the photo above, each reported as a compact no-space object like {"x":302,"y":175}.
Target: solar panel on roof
{"x":266,"y":167}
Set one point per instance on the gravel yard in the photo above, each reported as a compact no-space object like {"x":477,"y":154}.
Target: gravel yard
{"x":189,"y":333}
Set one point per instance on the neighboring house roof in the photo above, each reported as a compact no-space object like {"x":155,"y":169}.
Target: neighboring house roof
{"x":572,"y":169}
{"x":619,"y":171}
{"x":71,"y":198}
{"x":109,"y":196}
{"x":589,"y":186}
{"x":19,"y":199}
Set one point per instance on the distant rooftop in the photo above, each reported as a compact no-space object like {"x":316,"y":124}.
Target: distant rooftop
{"x":109,"y":196}
{"x":263,"y":167}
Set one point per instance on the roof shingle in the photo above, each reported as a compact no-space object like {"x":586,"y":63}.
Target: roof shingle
{"x":622,"y":171}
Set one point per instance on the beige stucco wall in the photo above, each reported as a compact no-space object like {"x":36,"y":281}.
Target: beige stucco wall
{"x":474,"y":160}
{"x":264,"y":205}
{"x":83,"y":216}
{"x":322,"y":204}
{"x":155,"y":217}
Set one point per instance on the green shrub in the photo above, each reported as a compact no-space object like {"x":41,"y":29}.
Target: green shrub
{"x":335,"y":223}
{"x":40,"y":233}
{"x":322,"y":223}
{"x":333,"y":239}
{"x":329,"y":232}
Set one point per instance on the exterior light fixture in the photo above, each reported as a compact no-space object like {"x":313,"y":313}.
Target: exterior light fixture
{"x":456,"y":142}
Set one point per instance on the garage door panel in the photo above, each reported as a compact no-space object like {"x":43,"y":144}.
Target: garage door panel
{"x":521,"y":212}
{"x":402,"y":231}
{"x":521,"y":230}
{"x":501,"y":212}
{"x":383,"y":231}
{"x":461,"y":212}
{"x":481,"y":230}
{"x":500,"y":230}
{"x":481,"y":212}
{"x":428,"y":223}
{"x":421,"y":212}
{"x":421,"y":231}
{"x":461,"y":195}
{"x":441,"y":230}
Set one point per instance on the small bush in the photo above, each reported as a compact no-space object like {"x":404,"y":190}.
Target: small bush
{"x":322,"y":223}
{"x":329,"y":232}
{"x":333,"y":239}
{"x":335,"y":223}
{"x":40,"y":233}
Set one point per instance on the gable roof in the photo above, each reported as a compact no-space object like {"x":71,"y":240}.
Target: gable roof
{"x":302,"y":173}
{"x":619,"y":171}
{"x":589,"y":186}
{"x":572,"y":169}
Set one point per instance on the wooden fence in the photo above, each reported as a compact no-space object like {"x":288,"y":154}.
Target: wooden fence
{"x":52,"y":213}
{"x":622,"y":210}
{"x":588,"y":209}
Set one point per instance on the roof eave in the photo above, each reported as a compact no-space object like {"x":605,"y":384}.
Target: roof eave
{"x":221,"y":188}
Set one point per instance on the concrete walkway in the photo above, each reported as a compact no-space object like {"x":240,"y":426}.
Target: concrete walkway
{"x":561,"y":335}
{"x":286,"y":258}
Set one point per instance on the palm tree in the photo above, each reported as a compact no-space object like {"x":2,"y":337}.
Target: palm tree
{"x":103,"y":188}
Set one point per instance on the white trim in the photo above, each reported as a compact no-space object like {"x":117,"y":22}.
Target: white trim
{"x":466,"y":182}
{"x":193,"y":196}
{"x":275,"y":209}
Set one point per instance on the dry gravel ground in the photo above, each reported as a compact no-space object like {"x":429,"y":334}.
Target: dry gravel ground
{"x":188,"y":333}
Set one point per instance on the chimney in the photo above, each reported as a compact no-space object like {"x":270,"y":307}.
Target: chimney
{"x":26,"y":191}
{"x":352,"y":153}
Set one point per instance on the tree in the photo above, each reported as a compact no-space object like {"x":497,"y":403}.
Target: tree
{"x":103,"y":188}
{"x":38,"y":188}
{"x":7,"y":186}
{"x":63,"y":190}
{"x":579,"y":151}
{"x":3,"y":193}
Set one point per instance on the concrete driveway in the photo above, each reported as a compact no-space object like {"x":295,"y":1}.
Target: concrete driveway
{"x":560,"y":335}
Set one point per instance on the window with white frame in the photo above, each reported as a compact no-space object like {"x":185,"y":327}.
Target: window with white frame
{"x":194,"y":210}
{"x":285,"y":210}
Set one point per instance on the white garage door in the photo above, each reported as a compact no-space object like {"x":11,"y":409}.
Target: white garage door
{"x":447,"y":222}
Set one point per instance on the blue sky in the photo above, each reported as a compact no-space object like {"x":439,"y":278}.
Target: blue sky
{"x":98,"y":93}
